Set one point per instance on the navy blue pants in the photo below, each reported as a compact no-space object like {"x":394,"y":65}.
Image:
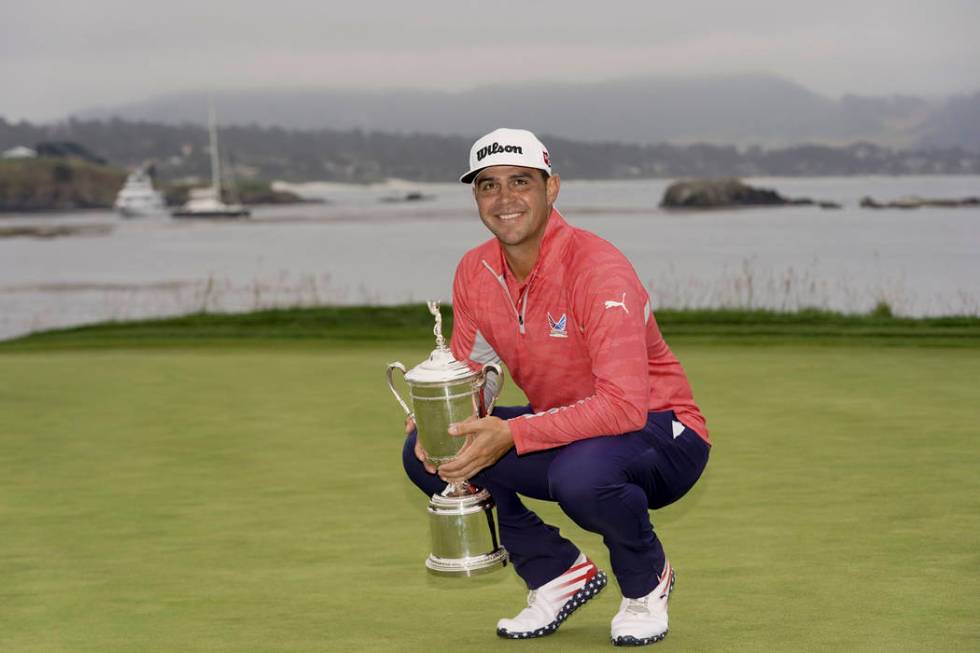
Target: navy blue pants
{"x":605,"y":484}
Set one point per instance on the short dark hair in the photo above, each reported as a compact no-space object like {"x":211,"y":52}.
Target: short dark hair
{"x":544,"y":175}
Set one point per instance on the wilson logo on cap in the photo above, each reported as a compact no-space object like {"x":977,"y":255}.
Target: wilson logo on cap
{"x":507,"y":147}
{"x":497,"y":148}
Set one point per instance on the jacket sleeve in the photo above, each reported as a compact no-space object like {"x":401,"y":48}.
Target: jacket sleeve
{"x":467,"y":343}
{"x":613,"y":308}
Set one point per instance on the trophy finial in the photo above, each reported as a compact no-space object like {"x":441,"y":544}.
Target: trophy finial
{"x":437,"y":330}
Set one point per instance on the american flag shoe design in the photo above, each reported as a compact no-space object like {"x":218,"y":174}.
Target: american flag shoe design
{"x":549,"y":605}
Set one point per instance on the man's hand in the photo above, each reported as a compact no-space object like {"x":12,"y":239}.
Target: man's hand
{"x":419,"y":451}
{"x":489,"y":439}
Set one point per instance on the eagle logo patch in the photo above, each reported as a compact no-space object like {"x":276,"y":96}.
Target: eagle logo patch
{"x":559,"y":327}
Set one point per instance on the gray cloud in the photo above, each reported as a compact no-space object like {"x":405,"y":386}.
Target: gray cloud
{"x":57,"y":57}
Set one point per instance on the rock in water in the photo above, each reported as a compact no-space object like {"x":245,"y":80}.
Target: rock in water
{"x":713,"y":193}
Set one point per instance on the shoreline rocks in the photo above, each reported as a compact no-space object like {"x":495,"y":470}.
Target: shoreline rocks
{"x":728,"y":192}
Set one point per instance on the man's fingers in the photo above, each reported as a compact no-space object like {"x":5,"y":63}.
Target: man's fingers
{"x":423,"y":458}
{"x":467,"y":426}
{"x":452,"y":468}
{"x":409,"y":425}
{"x":463,"y":467}
{"x":460,"y":475}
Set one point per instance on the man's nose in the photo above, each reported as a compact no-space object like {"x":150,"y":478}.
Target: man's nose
{"x":506,"y":191}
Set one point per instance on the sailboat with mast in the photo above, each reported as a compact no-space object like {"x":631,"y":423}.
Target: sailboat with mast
{"x":207,"y":202}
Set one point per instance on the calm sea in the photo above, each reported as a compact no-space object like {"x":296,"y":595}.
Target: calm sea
{"x":359,"y":248}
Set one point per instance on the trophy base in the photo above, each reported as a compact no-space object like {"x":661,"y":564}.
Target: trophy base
{"x":462,"y":567}
{"x":463,"y":533}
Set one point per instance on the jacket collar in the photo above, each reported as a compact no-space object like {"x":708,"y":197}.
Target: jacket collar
{"x":556,"y":235}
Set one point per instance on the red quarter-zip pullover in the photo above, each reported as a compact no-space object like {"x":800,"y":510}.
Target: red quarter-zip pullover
{"x":578,"y":337}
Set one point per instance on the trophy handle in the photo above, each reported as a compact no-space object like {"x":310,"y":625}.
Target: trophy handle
{"x":491,"y":367}
{"x":391,"y":385}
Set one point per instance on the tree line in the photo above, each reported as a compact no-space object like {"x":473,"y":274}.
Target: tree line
{"x":258,"y":152}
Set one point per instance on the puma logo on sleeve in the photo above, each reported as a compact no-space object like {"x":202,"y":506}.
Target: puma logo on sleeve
{"x":610,"y":304}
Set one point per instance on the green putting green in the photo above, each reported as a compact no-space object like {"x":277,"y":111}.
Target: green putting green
{"x":251,"y":498}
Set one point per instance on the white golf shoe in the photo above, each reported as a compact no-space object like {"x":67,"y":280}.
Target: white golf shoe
{"x":643,"y":621}
{"x":552,"y":603}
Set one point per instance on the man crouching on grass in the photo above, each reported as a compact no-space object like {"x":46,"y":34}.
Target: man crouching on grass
{"x":612,"y":429}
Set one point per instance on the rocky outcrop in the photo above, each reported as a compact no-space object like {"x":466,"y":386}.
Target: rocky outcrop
{"x":919,"y":202}
{"x":727,"y":192}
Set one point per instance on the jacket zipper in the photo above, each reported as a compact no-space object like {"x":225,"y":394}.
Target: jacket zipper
{"x":520,"y":315}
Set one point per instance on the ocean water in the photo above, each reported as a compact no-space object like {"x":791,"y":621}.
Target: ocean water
{"x":358,"y":248}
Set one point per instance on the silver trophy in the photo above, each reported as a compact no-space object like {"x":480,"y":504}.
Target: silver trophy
{"x":444,"y":390}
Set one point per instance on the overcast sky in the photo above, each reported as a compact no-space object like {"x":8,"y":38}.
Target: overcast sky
{"x":61,"y":56}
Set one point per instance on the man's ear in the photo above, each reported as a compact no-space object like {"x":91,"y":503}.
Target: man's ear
{"x":552,"y":186}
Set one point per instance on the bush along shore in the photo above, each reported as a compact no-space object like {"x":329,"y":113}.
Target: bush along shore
{"x":350,"y":325}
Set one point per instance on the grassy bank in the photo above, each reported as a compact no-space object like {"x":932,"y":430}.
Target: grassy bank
{"x":348,"y":325}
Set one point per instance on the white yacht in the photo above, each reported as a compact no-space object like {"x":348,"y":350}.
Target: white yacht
{"x":138,"y":198}
{"x":206,"y":202}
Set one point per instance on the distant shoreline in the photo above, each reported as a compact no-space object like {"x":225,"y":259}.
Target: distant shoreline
{"x":64,"y":198}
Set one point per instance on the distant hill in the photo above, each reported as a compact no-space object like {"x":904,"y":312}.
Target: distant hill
{"x":956,"y":122}
{"x":738,"y":110}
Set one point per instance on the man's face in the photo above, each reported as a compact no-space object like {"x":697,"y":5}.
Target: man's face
{"x":515,"y":202}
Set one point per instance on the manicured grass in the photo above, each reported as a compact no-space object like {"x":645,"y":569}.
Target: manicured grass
{"x":250,"y":498}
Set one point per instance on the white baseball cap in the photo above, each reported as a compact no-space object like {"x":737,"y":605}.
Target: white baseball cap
{"x":507,"y":147}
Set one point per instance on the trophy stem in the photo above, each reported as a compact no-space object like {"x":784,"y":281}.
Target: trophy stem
{"x":458,"y":489}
